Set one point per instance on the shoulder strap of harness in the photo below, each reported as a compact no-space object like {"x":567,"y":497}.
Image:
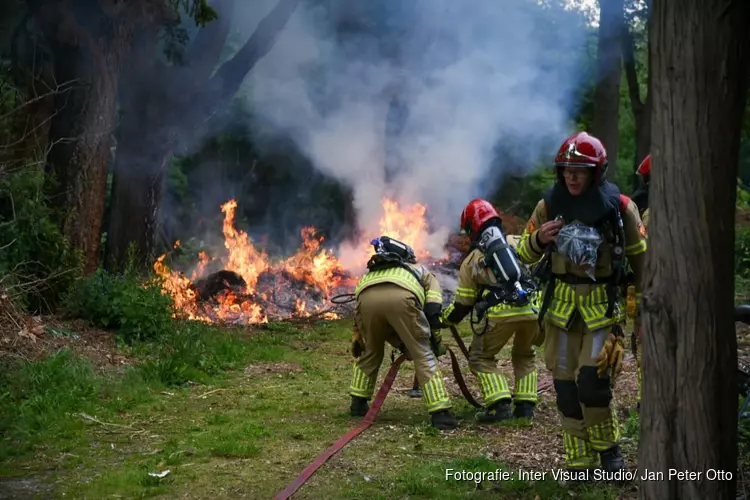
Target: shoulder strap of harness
{"x":379,"y":262}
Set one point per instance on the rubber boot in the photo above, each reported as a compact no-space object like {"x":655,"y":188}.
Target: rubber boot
{"x":359,"y":407}
{"x":415,"y":391}
{"x":496,"y":412}
{"x":444,"y":420}
{"x":524,"y":409}
{"x":612,"y":460}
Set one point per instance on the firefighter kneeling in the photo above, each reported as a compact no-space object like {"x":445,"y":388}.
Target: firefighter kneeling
{"x":582,"y":231}
{"x":399,"y":302}
{"x":475,"y":284}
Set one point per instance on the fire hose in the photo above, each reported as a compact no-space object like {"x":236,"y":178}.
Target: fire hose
{"x":369,"y":418}
{"x":344,"y":440}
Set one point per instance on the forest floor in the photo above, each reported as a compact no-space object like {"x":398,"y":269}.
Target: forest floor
{"x":246,"y":432}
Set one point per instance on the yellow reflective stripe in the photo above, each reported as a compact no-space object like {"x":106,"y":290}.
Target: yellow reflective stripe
{"x":446,"y":312}
{"x":578,"y":452}
{"x":468,"y":293}
{"x":361,"y":385}
{"x":636,"y":248}
{"x":592,"y":306}
{"x":526,"y":388}
{"x":605,"y":435}
{"x":435,"y":394}
{"x":395,"y":275}
{"x":527,"y":254}
{"x":433,"y":296}
{"x":494,"y":387}
{"x":508,"y":311}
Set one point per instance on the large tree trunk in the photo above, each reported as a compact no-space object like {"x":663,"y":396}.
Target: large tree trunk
{"x":184,"y":99}
{"x":689,"y":416}
{"x":80,"y":131}
{"x":607,"y":91}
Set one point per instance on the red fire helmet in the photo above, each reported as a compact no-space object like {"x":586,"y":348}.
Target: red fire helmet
{"x":645,"y":167}
{"x":476,"y":214}
{"x":583,"y":150}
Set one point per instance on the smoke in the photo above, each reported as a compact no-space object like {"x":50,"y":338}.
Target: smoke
{"x":411,"y":100}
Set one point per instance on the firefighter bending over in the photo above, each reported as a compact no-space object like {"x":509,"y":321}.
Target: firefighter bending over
{"x":580,"y":234}
{"x":399,"y":302}
{"x":492,"y":266}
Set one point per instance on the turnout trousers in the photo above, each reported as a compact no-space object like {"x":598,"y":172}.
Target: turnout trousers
{"x":583,"y":398}
{"x":389,"y":313}
{"x":483,"y":359}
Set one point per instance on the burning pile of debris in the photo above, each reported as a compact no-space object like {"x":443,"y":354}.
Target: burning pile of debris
{"x":246,"y":287}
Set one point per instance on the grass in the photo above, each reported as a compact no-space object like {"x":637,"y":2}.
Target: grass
{"x":191,"y":408}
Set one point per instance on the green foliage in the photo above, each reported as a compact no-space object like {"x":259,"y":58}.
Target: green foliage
{"x":742,"y":252}
{"x":36,"y":263}
{"x":138,"y":310}
{"x":34,"y":396}
{"x":58,"y":395}
{"x":194,"y":351}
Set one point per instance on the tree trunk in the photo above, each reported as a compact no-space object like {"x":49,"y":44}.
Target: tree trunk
{"x":641,"y":107}
{"x":607,"y":92}
{"x":181,"y":100}
{"x":137,"y":186}
{"x":689,"y":416}
{"x":80,"y":135}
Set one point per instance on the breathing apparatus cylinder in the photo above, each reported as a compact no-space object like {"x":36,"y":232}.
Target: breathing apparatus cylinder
{"x":502,"y":262}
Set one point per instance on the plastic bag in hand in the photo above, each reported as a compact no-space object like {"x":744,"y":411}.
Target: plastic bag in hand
{"x":579,"y":244}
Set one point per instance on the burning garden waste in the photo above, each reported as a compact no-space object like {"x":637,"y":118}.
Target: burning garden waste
{"x":251,"y":288}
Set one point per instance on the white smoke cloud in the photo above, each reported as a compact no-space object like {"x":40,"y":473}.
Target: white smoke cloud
{"x":473,"y":73}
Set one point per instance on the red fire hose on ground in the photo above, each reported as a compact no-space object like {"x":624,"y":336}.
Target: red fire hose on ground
{"x":344,"y":440}
{"x":369,"y":418}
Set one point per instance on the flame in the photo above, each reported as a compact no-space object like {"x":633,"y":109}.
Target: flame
{"x":311,"y":269}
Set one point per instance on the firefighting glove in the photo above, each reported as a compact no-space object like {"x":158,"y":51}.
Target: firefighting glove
{"x":358,"y":344}
{"x":436,"y":342}
{"x":610,"y":357}
{"x":432,"y":310}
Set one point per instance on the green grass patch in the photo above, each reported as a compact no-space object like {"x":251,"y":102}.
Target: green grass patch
{"x":192,"y":408}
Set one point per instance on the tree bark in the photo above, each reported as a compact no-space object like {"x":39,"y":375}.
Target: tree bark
{"x":689,"y":416}
{"x":182,"y":102}
{"x":89,"y":56}
{"x":609,"y":70}
{"x":641,"y":107}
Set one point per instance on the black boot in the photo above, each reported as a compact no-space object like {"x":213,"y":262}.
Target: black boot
{"x":359,"y":407}
{"x":612,"y":460}
{"x":415,"y":391}
{"x":524,"y":409}
{"x":444,"y":420}
{"x":497,"y":411}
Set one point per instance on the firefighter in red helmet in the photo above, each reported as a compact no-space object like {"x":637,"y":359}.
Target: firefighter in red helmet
{"x":491,"y":269}
{"x":580,"y":235}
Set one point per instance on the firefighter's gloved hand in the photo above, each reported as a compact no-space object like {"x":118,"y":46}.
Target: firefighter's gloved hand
{"x":611,"y":356}
{"x":436,"y":341}
{"x":432,"y":310}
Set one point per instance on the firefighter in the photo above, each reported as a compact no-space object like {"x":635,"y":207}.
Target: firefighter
{"x":582,"y":316}
{"x":399,"y":302}
{"x":503,"y":322}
